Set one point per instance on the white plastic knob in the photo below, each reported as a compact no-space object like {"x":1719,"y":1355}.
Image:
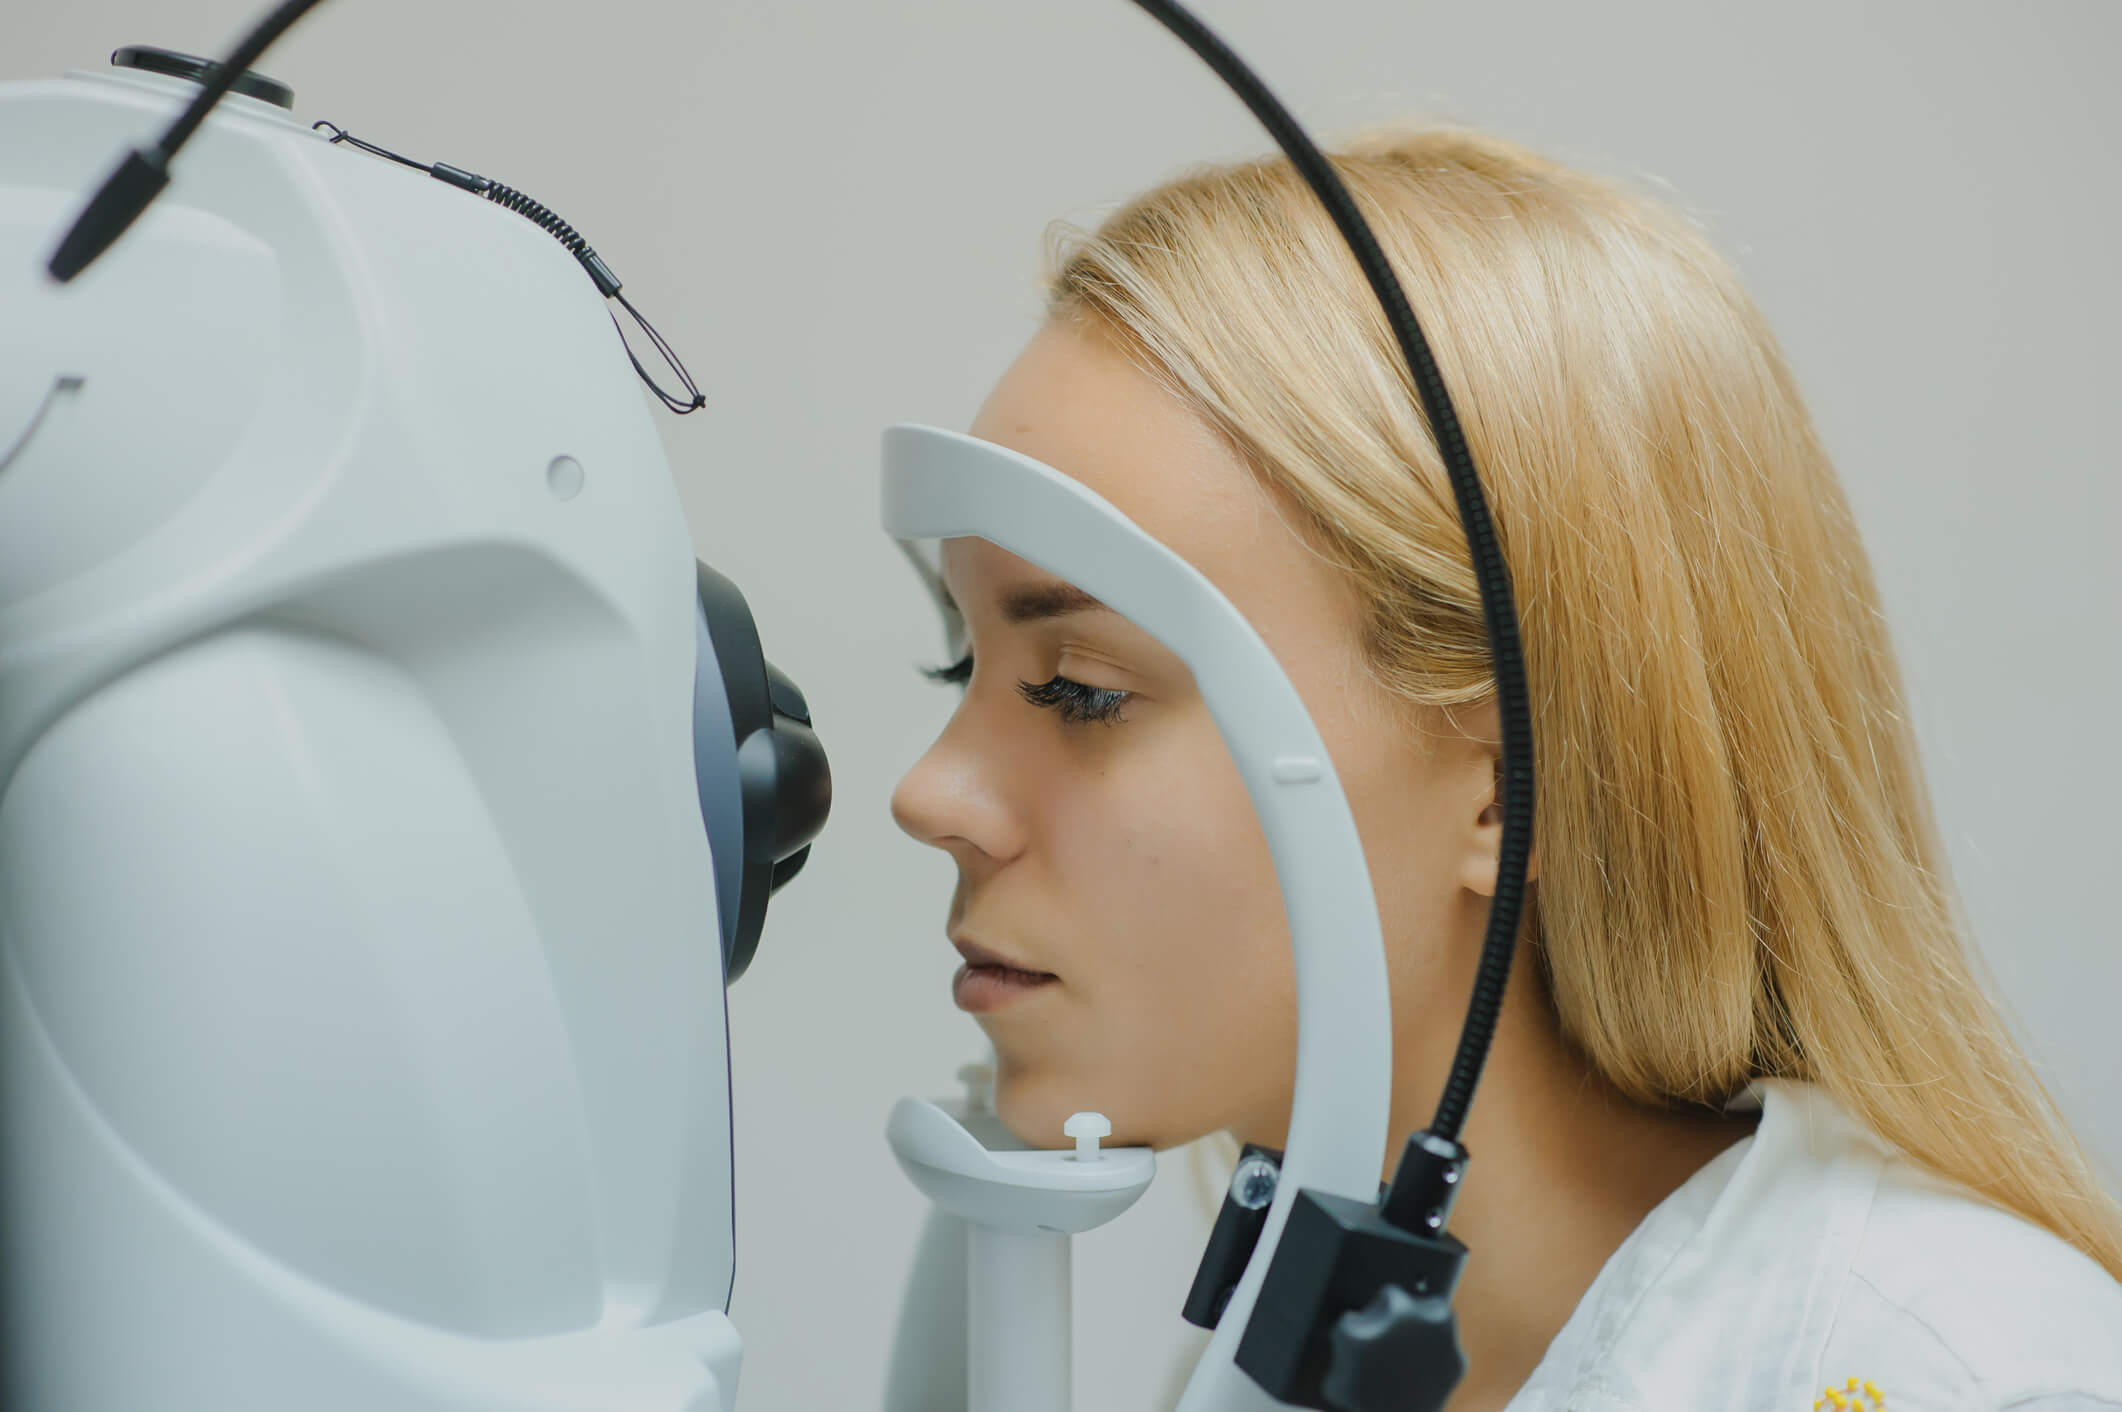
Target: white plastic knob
{"x":1086,"y":1129}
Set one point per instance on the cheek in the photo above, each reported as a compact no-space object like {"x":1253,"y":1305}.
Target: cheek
{"x":1163,"y":858}
{"x":1408,"y":810}
{"x":1182,"y":952}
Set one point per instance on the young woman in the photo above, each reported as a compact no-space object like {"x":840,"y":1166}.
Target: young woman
{"x":1751,"y":1135}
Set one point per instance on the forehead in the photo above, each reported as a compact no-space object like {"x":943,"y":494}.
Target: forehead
{"x":1074,"y":401}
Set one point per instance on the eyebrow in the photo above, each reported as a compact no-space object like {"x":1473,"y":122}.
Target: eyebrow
{"x":1038,"y":602}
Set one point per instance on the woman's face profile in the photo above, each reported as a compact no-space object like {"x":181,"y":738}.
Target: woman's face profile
{"x":1125,"y":942}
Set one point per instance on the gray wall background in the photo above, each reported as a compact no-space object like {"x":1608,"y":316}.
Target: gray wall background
{"x":834,"y":211}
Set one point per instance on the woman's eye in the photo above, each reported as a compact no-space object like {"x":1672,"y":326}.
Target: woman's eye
{"x":1074,"y":702}
{"x":957,"y":673}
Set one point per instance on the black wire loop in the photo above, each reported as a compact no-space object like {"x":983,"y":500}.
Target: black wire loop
{"x":340,"y":134}
{"x":693,"y":401}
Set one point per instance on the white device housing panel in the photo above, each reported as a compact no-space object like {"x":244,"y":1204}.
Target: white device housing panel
{"x":363,"y":1043}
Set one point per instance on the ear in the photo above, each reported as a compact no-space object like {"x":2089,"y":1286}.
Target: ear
{"x":1483,"y":831}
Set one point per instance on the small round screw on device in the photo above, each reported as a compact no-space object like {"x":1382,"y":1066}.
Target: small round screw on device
{"x":1086,"y":1129}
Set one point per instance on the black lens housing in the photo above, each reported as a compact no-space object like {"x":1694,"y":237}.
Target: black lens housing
{"x":769,"y":755}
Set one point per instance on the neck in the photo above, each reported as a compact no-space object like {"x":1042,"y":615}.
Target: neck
{"x":1561,"y":1169}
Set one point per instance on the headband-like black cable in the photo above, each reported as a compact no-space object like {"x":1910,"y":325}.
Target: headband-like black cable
{"x":1498,"y":607}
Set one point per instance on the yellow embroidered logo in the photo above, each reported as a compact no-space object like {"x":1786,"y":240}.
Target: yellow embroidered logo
{"x":1856,"y":1395}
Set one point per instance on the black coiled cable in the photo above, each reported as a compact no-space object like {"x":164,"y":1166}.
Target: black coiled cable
{"x":1499,"y":609}
{"x":548,"y":220}
{"x":522,"y":205}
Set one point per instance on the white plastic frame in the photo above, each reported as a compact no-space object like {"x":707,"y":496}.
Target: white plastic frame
{"x":942,"y":484}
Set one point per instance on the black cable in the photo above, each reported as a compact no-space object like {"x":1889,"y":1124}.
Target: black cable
{"x":142,"y":174}
{"x":1498,"y":608}
{"x":340,"y":134}
{"x":218,"y":83}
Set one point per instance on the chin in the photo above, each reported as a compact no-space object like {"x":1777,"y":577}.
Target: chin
{"x":1034,"y":1103}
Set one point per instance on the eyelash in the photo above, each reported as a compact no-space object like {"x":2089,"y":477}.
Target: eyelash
{"x":957,"y":673}
{"x":1075,"y":703}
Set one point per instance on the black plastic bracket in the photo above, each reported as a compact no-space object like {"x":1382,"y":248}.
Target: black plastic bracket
{"x":1335,"y":1257}
{"x":1235,"y":1235}
{"x":1355,"y":1314}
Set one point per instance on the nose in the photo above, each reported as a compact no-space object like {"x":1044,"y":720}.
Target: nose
{"x":957,"y":796}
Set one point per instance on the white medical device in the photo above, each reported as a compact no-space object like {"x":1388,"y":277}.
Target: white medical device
{"x":387,"y":798}
{"x":360,"y":700}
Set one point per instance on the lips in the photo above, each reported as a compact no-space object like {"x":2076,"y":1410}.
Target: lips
{"x":980,"y":957}
{"x":988,"y":980}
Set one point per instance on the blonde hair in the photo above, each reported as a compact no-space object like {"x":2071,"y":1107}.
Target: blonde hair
{"x":1739,"y":872}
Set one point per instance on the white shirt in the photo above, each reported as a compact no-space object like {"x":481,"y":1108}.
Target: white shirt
{"x":1810,"y":1254}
